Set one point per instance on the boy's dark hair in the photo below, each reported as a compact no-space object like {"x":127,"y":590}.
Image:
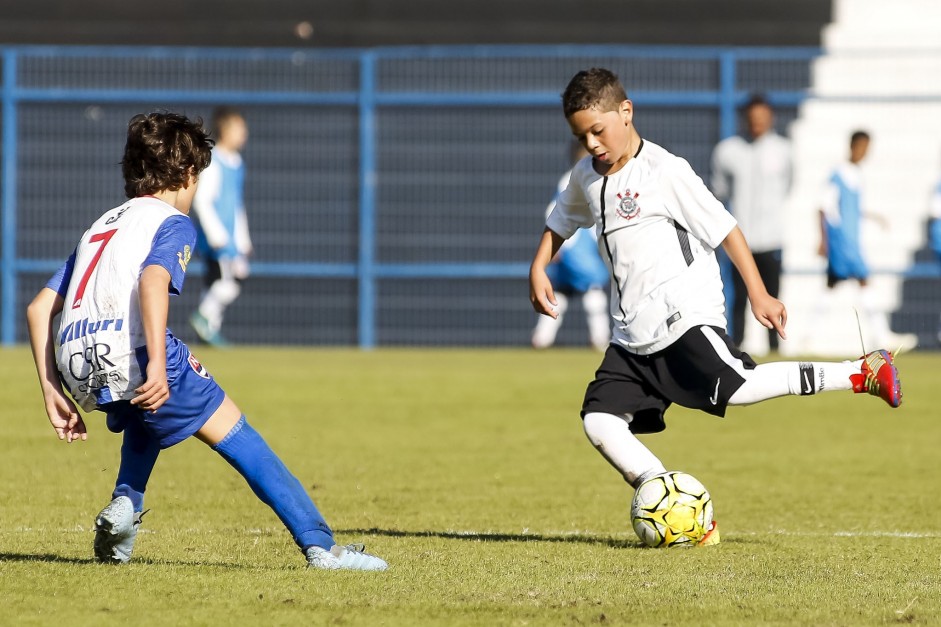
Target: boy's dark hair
{"x":221,"y":115}
{"x":858,"y":136}
{"x":162,"y":152}
{"x":755,"y":100}
{"x":596,"y":88}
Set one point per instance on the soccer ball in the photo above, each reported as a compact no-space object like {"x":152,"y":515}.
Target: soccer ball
{"x":671,"y":509}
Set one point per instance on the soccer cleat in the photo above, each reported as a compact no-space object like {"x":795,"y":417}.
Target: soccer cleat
{"x":712,"y":536}
{"x":206,"y":333}
{"x":115,"y":531}
{"x":879,"y":377}
{"x":349,"y":557}
{"x":201,"y":325}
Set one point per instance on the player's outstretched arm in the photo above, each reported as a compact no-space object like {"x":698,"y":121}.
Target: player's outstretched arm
{"x":62,"y":413}
{"x":767,"y":309}
{"x":541,"y":294}
{"x":154,"y":305}
{"x":823,"y":247}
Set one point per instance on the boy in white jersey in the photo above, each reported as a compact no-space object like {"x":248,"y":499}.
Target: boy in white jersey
{"x":658,"y":227}
{"x":113,"y":352}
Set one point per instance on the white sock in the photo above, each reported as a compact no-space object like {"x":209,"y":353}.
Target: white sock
{"x":613,"y":439}
{"x":785,"y":378}
{"x":219,"y":296}
{"x":595,"y":302}
{"x":547,"y":327}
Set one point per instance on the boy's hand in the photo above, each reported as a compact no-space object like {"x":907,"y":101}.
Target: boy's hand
{"x":770,"y":312}
{"x":64,"y":418}
{"x":155,"y":390}
{"x":541,"y":294}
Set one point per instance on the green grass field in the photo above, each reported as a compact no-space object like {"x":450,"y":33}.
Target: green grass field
{"x":469,"y":472}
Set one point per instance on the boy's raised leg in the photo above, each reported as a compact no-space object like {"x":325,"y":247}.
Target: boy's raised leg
{"x":875,"y":374}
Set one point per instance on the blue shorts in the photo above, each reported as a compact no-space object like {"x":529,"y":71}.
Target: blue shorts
{"x":194,"y":398}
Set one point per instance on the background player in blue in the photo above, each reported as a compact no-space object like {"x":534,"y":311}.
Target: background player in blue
{"x":934,"y":230}
{"x":843,"y":207}
{"x":113,"y":352}
{"x":577,"y":269}
{"x":223,"y":241}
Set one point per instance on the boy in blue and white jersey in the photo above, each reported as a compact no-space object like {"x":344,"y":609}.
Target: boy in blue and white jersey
{"x":842,"y":209}
{"x":577,"y":269}
{"x":113,"y":352}
{"x":659,"y":226}
{"x":224,"y":241}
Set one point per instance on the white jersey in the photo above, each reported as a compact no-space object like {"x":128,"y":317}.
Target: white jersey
{"x":657,"y":227}
{"x":755,"y":179}
{"x":100,"y":335}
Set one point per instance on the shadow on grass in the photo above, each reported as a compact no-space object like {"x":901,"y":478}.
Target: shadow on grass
{"x":45,"y":557}
{"x":573,"y":538}
{"x":61,"y":559}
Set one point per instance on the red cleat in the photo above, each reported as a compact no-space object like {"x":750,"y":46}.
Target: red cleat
{"x":879,"y":377}
{"x":712,"y":535}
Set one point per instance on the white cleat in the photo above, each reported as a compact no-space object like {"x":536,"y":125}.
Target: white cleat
{"x":349,"y":557}
{"x":115,"y":531}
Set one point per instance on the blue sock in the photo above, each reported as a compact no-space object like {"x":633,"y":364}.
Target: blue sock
{"x":274,"y":484}
{"x":138,"y":455}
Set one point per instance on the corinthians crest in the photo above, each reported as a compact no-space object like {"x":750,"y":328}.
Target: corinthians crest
{"x":627,"y":205}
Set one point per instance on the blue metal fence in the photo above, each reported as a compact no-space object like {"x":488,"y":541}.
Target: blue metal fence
{"x":381,"y":182}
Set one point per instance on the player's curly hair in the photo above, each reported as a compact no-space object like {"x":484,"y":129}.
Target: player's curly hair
{"x":162,"y":152}
{"x":596,"y":88}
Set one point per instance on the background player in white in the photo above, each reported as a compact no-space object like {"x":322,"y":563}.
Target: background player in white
{"x":577,"y":269}
{"x":113,"y":351}
{"x":842,"y":208}
{"x":753,"y":177}
{"x":659,"y":226}
{"x":223,"y":239}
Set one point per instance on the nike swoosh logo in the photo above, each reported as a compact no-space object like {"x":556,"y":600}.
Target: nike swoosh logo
{"x":807,"y":387}
{"x":714,"y":399}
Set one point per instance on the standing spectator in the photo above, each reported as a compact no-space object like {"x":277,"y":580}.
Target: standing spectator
{"x":753,"y":177}
{"x":223,"y":241}
{"x":842,"y":208}
{"x":577,"y":269}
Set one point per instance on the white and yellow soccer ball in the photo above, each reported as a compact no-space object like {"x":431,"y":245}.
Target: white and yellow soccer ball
{"x":671,"y":509}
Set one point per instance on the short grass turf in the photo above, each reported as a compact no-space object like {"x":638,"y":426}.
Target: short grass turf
{"x":469,"y":472}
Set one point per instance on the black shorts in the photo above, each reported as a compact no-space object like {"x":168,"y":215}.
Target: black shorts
{"x":833,"y":278}
{"x":701,"y":370}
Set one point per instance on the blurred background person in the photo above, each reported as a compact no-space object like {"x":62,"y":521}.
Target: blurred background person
{"x":842,"y":207}
{"x":752,"y":176}
{"x":934,"y":230}
{"x":223,"y":238}
{"x":577,"y":270}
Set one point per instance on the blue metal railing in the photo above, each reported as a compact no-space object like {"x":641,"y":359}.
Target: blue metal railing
{"x":368,"y":98}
